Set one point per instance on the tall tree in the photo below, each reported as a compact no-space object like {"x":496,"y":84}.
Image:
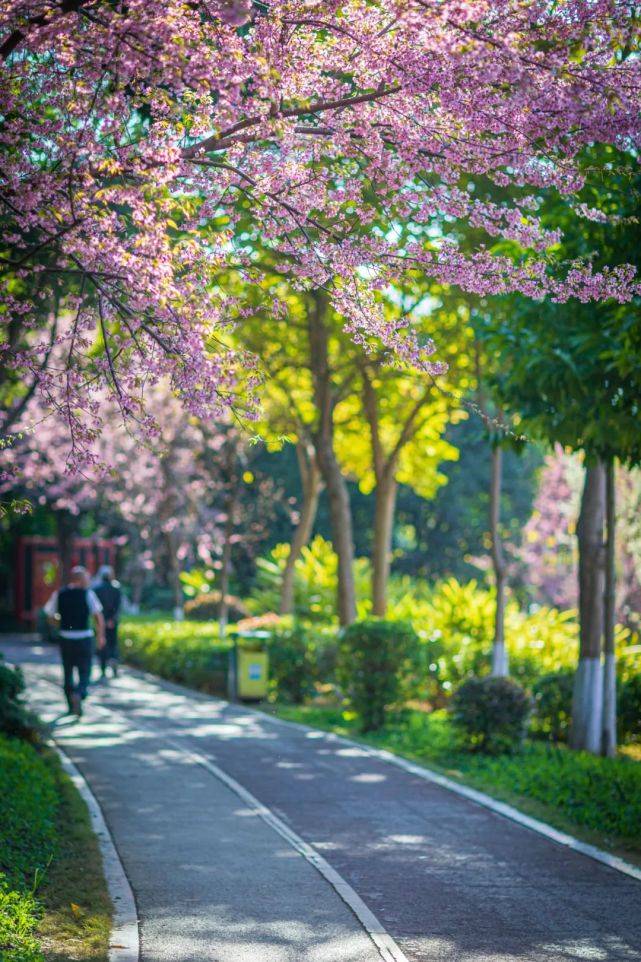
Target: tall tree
{"x":138,"y":137}
{"x":571,"y":371}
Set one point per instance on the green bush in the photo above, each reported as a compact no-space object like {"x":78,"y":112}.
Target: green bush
{"x":292,"y":665}
{"x":491,"y":714}
{"x":188,"y":652}
{"x":206,"y":607}
{"x":376,"y":663}
{"x":455,"y":622}
{"x":301,"y":656}
{"x":629,"y":708}
{"x":15,"y":717}
{"x":552,"y":697}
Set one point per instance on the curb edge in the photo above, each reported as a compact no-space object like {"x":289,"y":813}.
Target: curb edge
{"x":124,"y":940}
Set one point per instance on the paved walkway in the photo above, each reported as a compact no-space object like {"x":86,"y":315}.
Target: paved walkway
{"x":451,"y":882}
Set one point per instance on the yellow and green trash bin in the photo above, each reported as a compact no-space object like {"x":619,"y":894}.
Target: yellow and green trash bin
{"x":249,"y":666}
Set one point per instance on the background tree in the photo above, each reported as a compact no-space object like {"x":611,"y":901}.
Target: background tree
{"x":569,"y":370}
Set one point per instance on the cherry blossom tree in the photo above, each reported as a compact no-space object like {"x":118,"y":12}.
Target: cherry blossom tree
{"x":549,"y":551}
{"x":147,"y":145}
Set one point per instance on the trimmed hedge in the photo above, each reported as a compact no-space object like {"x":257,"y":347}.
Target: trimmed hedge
{"x":188,"y":652}
{"x":491,"y":714}
{"x":376,"y":661}
{"x":193,"y":654}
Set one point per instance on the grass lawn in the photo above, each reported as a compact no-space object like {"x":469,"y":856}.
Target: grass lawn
{"x":595,"y":799}
{"x":54,"y":903}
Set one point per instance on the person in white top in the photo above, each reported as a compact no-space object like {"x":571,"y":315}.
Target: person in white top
{"x":71,"y":610}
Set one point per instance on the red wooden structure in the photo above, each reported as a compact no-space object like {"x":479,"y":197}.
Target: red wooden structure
{"x":38,"y":569}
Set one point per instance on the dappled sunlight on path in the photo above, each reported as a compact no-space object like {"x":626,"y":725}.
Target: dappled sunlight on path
{"x":449,"y":880}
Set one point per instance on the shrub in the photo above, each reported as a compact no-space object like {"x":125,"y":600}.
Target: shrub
{"x":552,"y":697}
{"x":491,"y":714}
{"x":629,"y":708}
{"x":15,"y":717}
{"x":301,"y":655}
{"x":205,"y":607}
{"x":455,"y":622}
{"x":188,"y":652}
{"x":376,"y":660}
{"x":292,"y":665}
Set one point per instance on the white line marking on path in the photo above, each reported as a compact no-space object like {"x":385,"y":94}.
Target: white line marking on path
{"x":127,"y":923}
{"x":124,"y":941}
{"x":472,"y":795}
{"x":429,"y":775}
{"x":383,"y":941}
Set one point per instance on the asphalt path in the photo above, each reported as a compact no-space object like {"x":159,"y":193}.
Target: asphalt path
{"x":450,"y":880}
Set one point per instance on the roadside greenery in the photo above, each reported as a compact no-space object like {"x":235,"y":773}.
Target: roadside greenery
{"x":376,"y":665}
{"x":52,"y":891}
{"x":491,"y":714}
{"x":188,"y":652}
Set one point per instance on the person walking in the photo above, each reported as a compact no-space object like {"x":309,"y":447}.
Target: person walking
{"x":110,"y":597}
{"x":72,"y":609}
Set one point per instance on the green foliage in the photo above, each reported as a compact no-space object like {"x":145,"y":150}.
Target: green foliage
{"x":198,"y":581}
{"x":28,"y":805}
{"x":315,"y":581}
{"x":19,"y":914}
{"x":206,"y":607}
{"x":552,"y":696}
{"x":597,"y":798}
{"x":571,"y":370}
{"x":27,"y":812}
{"x":48,"y":847}
{"x":629,"y":708}
{"x":301,"y":656}
{"x":15,"y":717}
{"x":376,"y":661}
{"x":491,"y":714}
{"x":188,"y":652}
{"x":441,"y":538}
{"x":292,"y":662}
{"x":455,"y":622}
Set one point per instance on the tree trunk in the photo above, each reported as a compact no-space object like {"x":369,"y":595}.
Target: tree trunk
{"x":499,"y":651}
{"x":66,"y":527}
{"x":312,"y":484}
{"x":339,"y":504}
{"x":587,"y":702}
{"x":382,"y":553}
{"x":174,"y":574}
{"x":609,"y":742}
{"x":225,"y":571}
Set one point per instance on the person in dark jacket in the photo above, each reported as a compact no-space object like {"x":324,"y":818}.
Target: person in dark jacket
{"x":72,"y":609}
{"x":110,"y":596}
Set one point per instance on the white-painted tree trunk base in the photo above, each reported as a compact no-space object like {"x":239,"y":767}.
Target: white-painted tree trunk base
{"x":587,"y":706}
{"x":609,"y":745}
{"x":179,"y":613}
{"x":500,"y":665}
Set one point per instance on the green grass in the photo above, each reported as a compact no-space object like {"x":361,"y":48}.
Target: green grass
{"x":596,"y":799}
{"x":53,"y":897}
